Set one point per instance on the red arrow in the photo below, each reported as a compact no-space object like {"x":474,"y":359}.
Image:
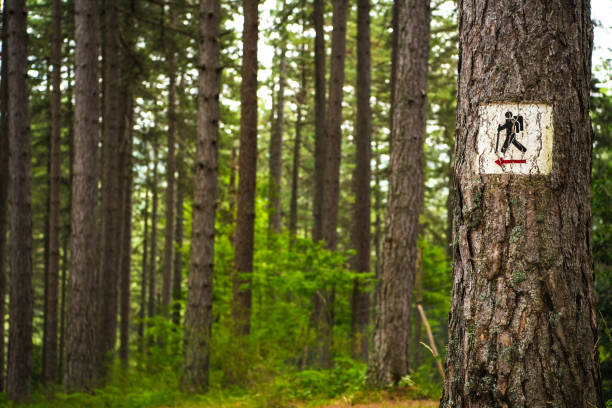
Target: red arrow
{"x":501,"y":161}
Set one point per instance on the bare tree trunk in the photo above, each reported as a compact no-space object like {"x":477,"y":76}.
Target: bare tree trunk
{"x":153,"y":246}
{"x":276,"y":141}
{"x":418,"y":287}
{"x":320,"y":138}
{"x":329,"y":214}
{"x":81,"y":315}
{"x":170,"y":170}
{"x":198,"y":313}
{"x":247,"y":167}
{"x":50,"y":347}
{"x":360,"y":234}
{"x":20,"y":359}
{"x":390,"y":355}
{"x":143,"y":281}
{"x":111,"y":193}
{"x":523,"y":325}
{"x":297,"y":145}
{"x":4,"y":184}
{"x":177,"y":293}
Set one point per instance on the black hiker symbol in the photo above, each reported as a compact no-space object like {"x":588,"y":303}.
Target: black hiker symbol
{"x":513,"y":125}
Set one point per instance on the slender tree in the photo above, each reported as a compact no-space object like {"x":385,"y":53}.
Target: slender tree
{"x":111,"y":192}
{"x":198,"y":313}
{"x":297,"y":145}
{"x":177,"y":279}
{"x":4,"y":183}
{"x":320,"y":131}
{"x":523,"y":325}
{"x":143,"y":275}
{"x":389,"y":359}
{"x":81,"y":314}
{"x":276,"y":138}
{"x":20,"y":358}
{"x":247,"y":167}
{"x":153,"y":243}
{"x":360,"y":234}
{"x":50,"y":346}
{"x":170,"y":170}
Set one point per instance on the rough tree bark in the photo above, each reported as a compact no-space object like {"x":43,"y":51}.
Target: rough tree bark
{"x":81,"y":314}
{"x":320,"y":139}
{"x":4,"y":182}
{"x":20,"y":358}
{"x":523,"y":326}
{"x":170,"y":170}
{"x":50,"y":373}
{"x":111,"y":193}
{"x":247,"y":168}
{"x":388,"y":362}
{"x":198,"y":313}
{"x":360,"y":233}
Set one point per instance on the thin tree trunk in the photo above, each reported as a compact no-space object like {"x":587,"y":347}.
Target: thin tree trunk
{"x":320,"y":130}
{"x":50,"y":347}
{"x":360,"y":233}
{"x":153,"y":246}
{"x":523,"y":325}
{"x":198,"y":313}
{"x":418,"y":288}
{"x":81,"y":315}
{"x":377,"y":208}
{"x":4,"y":183}
{"x":126,"y":227}
{"x":276,"y":142}
{"x":170,"y":170}
{"x":143,"y":281}
{"x":20,"y":358}
{"x":297,"y":145}
{"x":111,"y":193}
{"x":390,"y":355}
{"x":177,"y":292}
{"x":247,"y":167}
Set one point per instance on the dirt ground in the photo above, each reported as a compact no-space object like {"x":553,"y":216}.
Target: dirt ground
{"x":387,"y":404}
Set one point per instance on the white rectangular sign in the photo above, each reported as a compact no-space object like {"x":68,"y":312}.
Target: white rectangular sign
{"x":515,"y":138}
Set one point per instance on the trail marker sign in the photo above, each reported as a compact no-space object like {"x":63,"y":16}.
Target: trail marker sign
{"x":514,"y":138}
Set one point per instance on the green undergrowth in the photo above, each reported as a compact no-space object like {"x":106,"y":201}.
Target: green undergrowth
{"x":158,"y":387}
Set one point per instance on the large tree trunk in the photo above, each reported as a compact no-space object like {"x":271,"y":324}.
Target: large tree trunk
{"x":50,"y":346}
{"x":198,"y":313}
{"x":523,"y":326}
{"x":170,"y":169}
{"x":4,"y":183}
{"x":81,"y":315}
{"x":360,"y":234}
{"x":389,"y":359}
{"x":276,"y":141}
{"x":111,"y":193}
{"x":247,"y":167}
{"x":320,"y":139}
{"x":20,"y":359}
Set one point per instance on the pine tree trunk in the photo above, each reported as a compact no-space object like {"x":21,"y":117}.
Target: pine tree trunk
{"x":143,"y":276}
{"x":50,"y":347}
{"x":81,"y":314}
{"x":20,"y":359}
{"x":247,"y":167}
{"x":297,"y":145}
{"x":4,"y":184}
{"x":320,"y":138}
{"x":418,"y":323}
{"x":276,"y":143}
{"x":390,"y":356}
{"x":177,"y":290}
{"x":153,"y":244}
{"x":198,"y":312}
{"x":170,"y":170}
{"x":360,"y":234}
{"x":523,"y":325}
{"x":111,"y":192}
